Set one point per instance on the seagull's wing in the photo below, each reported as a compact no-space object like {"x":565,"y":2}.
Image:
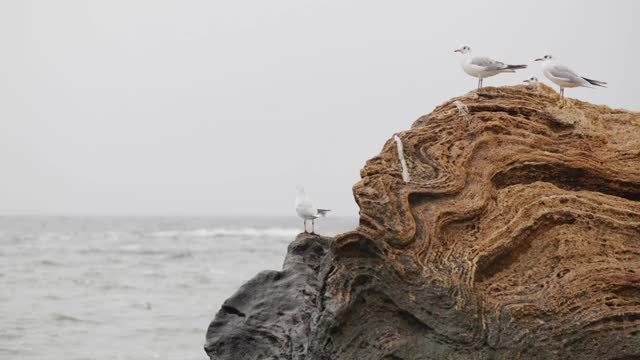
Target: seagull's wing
{"x":563,"y":72}
{"x":488,"y":63}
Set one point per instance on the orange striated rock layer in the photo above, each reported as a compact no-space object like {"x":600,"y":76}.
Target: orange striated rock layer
{"x":518,"y":236}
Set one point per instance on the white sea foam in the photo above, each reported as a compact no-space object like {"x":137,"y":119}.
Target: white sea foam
{"x":219,"y":232}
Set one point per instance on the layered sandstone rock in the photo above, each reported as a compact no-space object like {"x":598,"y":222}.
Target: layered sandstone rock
{"x":517,"y":237}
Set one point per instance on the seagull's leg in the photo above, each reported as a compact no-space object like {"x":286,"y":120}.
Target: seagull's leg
{"x":563,"y":100}
{"x":479,"y":83}
{"x":313,"y":226}
{"x":305,"y":226}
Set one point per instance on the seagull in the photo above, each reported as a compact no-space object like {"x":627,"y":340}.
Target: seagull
{"x":532,"y":82}
{"x":306,"y":210}
{"x":565,"y":77}
{"x":483,"y":67}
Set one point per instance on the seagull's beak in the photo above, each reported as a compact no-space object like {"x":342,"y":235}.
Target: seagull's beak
{"x":457,"y":50}
{"x":525,"y":81}
{"x":538,"y":59}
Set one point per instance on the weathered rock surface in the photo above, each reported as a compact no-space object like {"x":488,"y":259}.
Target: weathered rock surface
{"x":269,"y":317}
{"x":518,"y":237}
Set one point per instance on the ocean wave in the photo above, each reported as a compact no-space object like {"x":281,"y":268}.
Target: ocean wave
{"x":137,"y":249}
{"x":48,"y":262}
{"x":68,"y":318}
{"x":179,"y":255}
{"x":134,"y":249}
{"x":222,"y":232}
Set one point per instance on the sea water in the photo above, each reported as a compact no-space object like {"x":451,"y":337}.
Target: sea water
{"x":129,"y":288}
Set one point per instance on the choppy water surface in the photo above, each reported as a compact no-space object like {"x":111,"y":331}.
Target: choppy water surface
{"x":128,"y":288}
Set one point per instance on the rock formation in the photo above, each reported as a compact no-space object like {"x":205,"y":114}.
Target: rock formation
{"x":269,"y":317}
{"x":517,"y":237}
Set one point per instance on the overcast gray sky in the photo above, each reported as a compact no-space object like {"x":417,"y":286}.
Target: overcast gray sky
{"x":222,"y":107}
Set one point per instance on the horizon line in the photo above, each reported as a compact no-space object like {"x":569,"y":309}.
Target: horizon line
{"x":158,"y":215}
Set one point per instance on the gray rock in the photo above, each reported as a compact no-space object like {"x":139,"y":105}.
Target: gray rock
{"x":270,"y":316}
